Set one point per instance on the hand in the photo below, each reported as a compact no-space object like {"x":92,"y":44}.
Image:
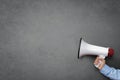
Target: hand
{"x":99,"y":63}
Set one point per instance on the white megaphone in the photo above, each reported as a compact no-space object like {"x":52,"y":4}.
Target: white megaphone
{"x":88,"y":49}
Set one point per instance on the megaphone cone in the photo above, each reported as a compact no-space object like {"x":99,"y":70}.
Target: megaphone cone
{"x":89,"y":49}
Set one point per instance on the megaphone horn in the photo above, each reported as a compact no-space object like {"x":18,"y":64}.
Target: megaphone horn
{"x":89,"y":49}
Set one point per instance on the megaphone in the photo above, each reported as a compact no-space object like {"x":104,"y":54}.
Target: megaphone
{"x":89,"y":49}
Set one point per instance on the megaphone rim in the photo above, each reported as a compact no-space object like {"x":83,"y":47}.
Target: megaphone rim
{"x":79,"y":47}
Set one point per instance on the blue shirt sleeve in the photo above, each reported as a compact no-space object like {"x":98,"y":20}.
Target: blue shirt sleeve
{"x":112,"y":73}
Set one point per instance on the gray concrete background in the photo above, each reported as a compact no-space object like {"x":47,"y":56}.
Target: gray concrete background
{"x":39,"y":38}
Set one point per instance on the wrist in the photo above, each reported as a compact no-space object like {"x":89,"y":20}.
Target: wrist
{"x":101,"y":66}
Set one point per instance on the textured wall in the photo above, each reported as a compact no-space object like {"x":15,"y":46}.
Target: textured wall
{"x":39,"y":38}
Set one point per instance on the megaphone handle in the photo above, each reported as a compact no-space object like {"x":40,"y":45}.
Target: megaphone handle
{"x":101,"y":56}
{"x":98,"y":64}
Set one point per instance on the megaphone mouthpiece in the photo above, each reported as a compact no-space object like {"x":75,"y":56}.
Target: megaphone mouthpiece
{"x":110,"y":52}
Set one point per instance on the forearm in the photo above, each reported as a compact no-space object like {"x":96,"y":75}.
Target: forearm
{"x":110,"y":72}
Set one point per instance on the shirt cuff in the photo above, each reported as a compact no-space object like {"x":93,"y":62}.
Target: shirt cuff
{"x":105,"y":70}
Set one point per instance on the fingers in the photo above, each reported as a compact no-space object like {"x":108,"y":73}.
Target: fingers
{"x":99,"y":62}
{"x":96,"y":60}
